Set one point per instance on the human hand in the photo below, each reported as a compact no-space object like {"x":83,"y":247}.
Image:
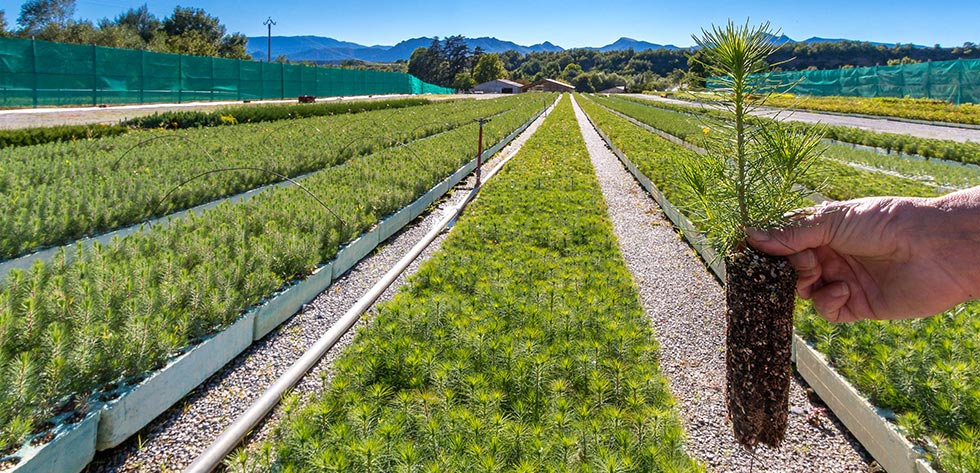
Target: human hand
{"x":883,"y":257}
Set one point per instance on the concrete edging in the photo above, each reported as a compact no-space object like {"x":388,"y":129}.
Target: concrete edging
{"x":137,"y":405}
{"x":882,"y":440}
{"x":72,"y":448}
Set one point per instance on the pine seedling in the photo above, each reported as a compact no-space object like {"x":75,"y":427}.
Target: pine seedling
{"x":749,"y":178}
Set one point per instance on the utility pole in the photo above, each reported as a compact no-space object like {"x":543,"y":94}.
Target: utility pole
{"x":269,"y":23}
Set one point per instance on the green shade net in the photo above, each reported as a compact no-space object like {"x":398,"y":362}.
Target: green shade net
{"x":40,"y":73}
{"x":953,"y":81}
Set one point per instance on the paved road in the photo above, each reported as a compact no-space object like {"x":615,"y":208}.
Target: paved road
{"x":883,"y":125}
{"x":40,"y":117}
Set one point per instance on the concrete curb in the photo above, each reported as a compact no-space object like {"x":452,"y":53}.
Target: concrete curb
{"x":137,"y":405}
{"x":882,"y":440}
{"x":72,"y":448}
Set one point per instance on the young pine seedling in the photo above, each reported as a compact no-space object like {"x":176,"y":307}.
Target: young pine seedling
{"x":749,"y":178}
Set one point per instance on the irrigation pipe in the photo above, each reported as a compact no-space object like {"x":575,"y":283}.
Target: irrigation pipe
{"x":233,"y":435}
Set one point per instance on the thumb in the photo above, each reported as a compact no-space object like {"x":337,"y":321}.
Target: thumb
{"x":814,"y":230}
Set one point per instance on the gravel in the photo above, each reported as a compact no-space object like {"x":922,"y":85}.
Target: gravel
{"x":686,"y":306}
{"x":881,"y":125}
{"x":176,"y":437}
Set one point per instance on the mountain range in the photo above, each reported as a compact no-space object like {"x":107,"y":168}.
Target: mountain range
{"x":328,"y":50}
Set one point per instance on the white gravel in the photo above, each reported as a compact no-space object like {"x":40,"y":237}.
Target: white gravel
{"x":686,"y":306}
{"x":877,"y":124}
{"x":176,"y":437}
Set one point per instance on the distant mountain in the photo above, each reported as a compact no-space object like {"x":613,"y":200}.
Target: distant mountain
{"x":315,"y":48}
{"x":624,"y":43}
{"x":816,"y":39}
{"x":321,"y":49}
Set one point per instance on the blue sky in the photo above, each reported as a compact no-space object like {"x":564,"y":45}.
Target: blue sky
{"x":573,"y":23}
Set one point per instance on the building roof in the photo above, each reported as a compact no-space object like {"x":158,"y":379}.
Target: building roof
{"x":501,"y":81}
{"x":551,"y":82}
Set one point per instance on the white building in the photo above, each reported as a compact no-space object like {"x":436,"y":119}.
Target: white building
{"x":499,"y":86}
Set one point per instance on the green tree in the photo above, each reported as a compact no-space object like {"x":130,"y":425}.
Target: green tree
{"x":488,"y":68}
{"x":146,"y":24}
{"x":463,"y":81}
{"x":38,"y":15}
{"x":186,"y":20}
{"x":233,"y":46}
{"x":3,"y":25}
{"x":571,"y":71}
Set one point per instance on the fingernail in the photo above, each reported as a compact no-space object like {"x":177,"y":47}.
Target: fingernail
{"x":757,"y":235}
{"x":840,"y":291}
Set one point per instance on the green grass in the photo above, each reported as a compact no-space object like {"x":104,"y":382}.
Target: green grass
{"x":520,"y":346}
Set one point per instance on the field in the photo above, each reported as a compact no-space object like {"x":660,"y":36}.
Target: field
{"x":521,"y":345}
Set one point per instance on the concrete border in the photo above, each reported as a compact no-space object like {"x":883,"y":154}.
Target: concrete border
{"x":879,"y":436}
{"x":72,"y":448}
{"x":137,"y":405}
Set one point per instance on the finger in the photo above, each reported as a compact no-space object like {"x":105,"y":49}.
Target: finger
{"x":807,"y":268}
{"x":830,"y":301}
{"x":812,"y":231}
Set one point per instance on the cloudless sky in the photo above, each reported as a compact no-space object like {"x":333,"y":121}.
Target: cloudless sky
{"x":572,"y":23}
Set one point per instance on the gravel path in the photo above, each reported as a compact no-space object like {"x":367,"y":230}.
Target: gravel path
{"x":686,"y":306}
{"x":881,"y":125}
{"x":176,"y":437}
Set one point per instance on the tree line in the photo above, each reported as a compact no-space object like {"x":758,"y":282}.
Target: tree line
{"x":186,"y":31}
{"x":451,"y":63}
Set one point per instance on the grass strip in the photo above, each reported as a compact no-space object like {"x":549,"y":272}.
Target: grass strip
{"x":520,"y":346}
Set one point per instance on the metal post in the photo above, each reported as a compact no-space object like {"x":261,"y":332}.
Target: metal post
{"x":268,"y":51}
{"x":479,"y":152}
{"x":34,"y":65}
{"x":95,"y":76}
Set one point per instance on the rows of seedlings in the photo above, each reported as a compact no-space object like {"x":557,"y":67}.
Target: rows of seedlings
{"x":835,"y":179}
{"x":17,"y":134}
{"x":958,"y":150}
{"x":694,"y":128}
{"x":520,"y":346}
{"x":173,"y":440}
{"x":921,"y":109}
{"x":57,"y":192}
{"x":921,"y":371}
{"x":71,"y":326}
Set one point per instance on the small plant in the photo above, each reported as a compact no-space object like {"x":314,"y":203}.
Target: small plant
{"x":749,"y":178}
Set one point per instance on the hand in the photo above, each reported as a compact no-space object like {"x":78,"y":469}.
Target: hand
{"x":883,"y":257}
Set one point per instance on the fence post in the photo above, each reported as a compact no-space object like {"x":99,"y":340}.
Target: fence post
{"x":212,"y":79}
{"x":282,"y":80}
{"x":34,"y":65}
{"x":959,"y":81}
{"x":180,"y":78}
{"x":95,"y":76}
{"x":142,"y":76}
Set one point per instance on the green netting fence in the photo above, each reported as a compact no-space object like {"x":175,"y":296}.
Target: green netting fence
{"x":41,"y":73}
{"x":953,"y":81}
